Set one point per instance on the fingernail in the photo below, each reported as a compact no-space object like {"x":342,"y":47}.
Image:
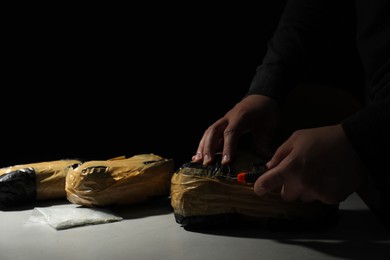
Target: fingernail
{"x":198,"y":156}
{"x":225,"y":158}
{"x":206,"y":159}
{"x":268,"y":164}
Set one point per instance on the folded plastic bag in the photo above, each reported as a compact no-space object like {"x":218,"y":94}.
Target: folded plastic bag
{"x":21,"y":184}
{"x":72,"y":215}
{"x":120,"y":180}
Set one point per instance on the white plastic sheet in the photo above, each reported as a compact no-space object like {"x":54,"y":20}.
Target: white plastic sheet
{"x":71,"y":215}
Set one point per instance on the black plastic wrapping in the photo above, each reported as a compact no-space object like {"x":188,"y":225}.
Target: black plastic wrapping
{"x":18,"y":187}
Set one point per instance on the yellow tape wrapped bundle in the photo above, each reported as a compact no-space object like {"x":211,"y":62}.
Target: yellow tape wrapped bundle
{"x":212,"y":195}
{"x":24,"y":183}
{"x":120,"y":180}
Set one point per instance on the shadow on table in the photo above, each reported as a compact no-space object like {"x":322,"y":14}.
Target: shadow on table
{"x":152,"y":207}
{"x":355,"y":235}
{"x":29,"y":205}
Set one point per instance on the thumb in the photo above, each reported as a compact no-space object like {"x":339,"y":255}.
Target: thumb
{"x":273,"y":178}
{"x":280,"y":154}
{"x":269,"y":180}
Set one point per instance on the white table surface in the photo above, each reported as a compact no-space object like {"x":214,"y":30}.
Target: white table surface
{"x":149,"y":231}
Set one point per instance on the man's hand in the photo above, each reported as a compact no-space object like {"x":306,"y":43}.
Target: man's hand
{"x":256,"y":114}
{"x":313,"y":164}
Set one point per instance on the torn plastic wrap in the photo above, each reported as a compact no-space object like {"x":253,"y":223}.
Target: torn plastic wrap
{"x":201,"y":195}
{"x":120,"y":180}
{"x":26,"y":183}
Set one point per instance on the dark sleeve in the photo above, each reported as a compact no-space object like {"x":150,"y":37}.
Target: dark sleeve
{"x":369,"y":132}
{"x":302,"y":33}
{"x":369,"y":129}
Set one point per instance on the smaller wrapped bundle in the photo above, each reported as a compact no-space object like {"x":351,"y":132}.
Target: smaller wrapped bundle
{"x":120,"y":180}
{"x":27,"y":183}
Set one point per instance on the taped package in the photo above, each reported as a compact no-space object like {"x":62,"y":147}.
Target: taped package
{"x":214,"y":195}
{"x":26,"y":183}
{"x":120,"y":180}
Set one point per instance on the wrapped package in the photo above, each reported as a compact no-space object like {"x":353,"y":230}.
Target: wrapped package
{"x":120,"y":180}
{"x":20,"y":184}
{"x":213,"y":195}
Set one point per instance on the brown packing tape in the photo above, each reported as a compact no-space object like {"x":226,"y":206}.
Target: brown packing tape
{"x":195,"y":196}
{"x":193,"y":193}
{"x":119,"y":181}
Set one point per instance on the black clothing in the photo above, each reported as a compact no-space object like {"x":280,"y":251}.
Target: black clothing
{"x":303,"y":32}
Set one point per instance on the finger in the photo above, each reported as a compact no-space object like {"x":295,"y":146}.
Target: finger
{"x":281,"y":153}
{"x":269,"y":181}
{"x":285,"y":177}
{"x":278,"y":170}
{"x":205,"y":142}
{"x":288,"y":171}
{"x":277,"y":177}
{"x":212,"y":141}
{"x":198,"y":157}
{"x":229,"y":145}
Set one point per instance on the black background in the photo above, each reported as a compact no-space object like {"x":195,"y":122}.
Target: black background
{"x":95,"y":82}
